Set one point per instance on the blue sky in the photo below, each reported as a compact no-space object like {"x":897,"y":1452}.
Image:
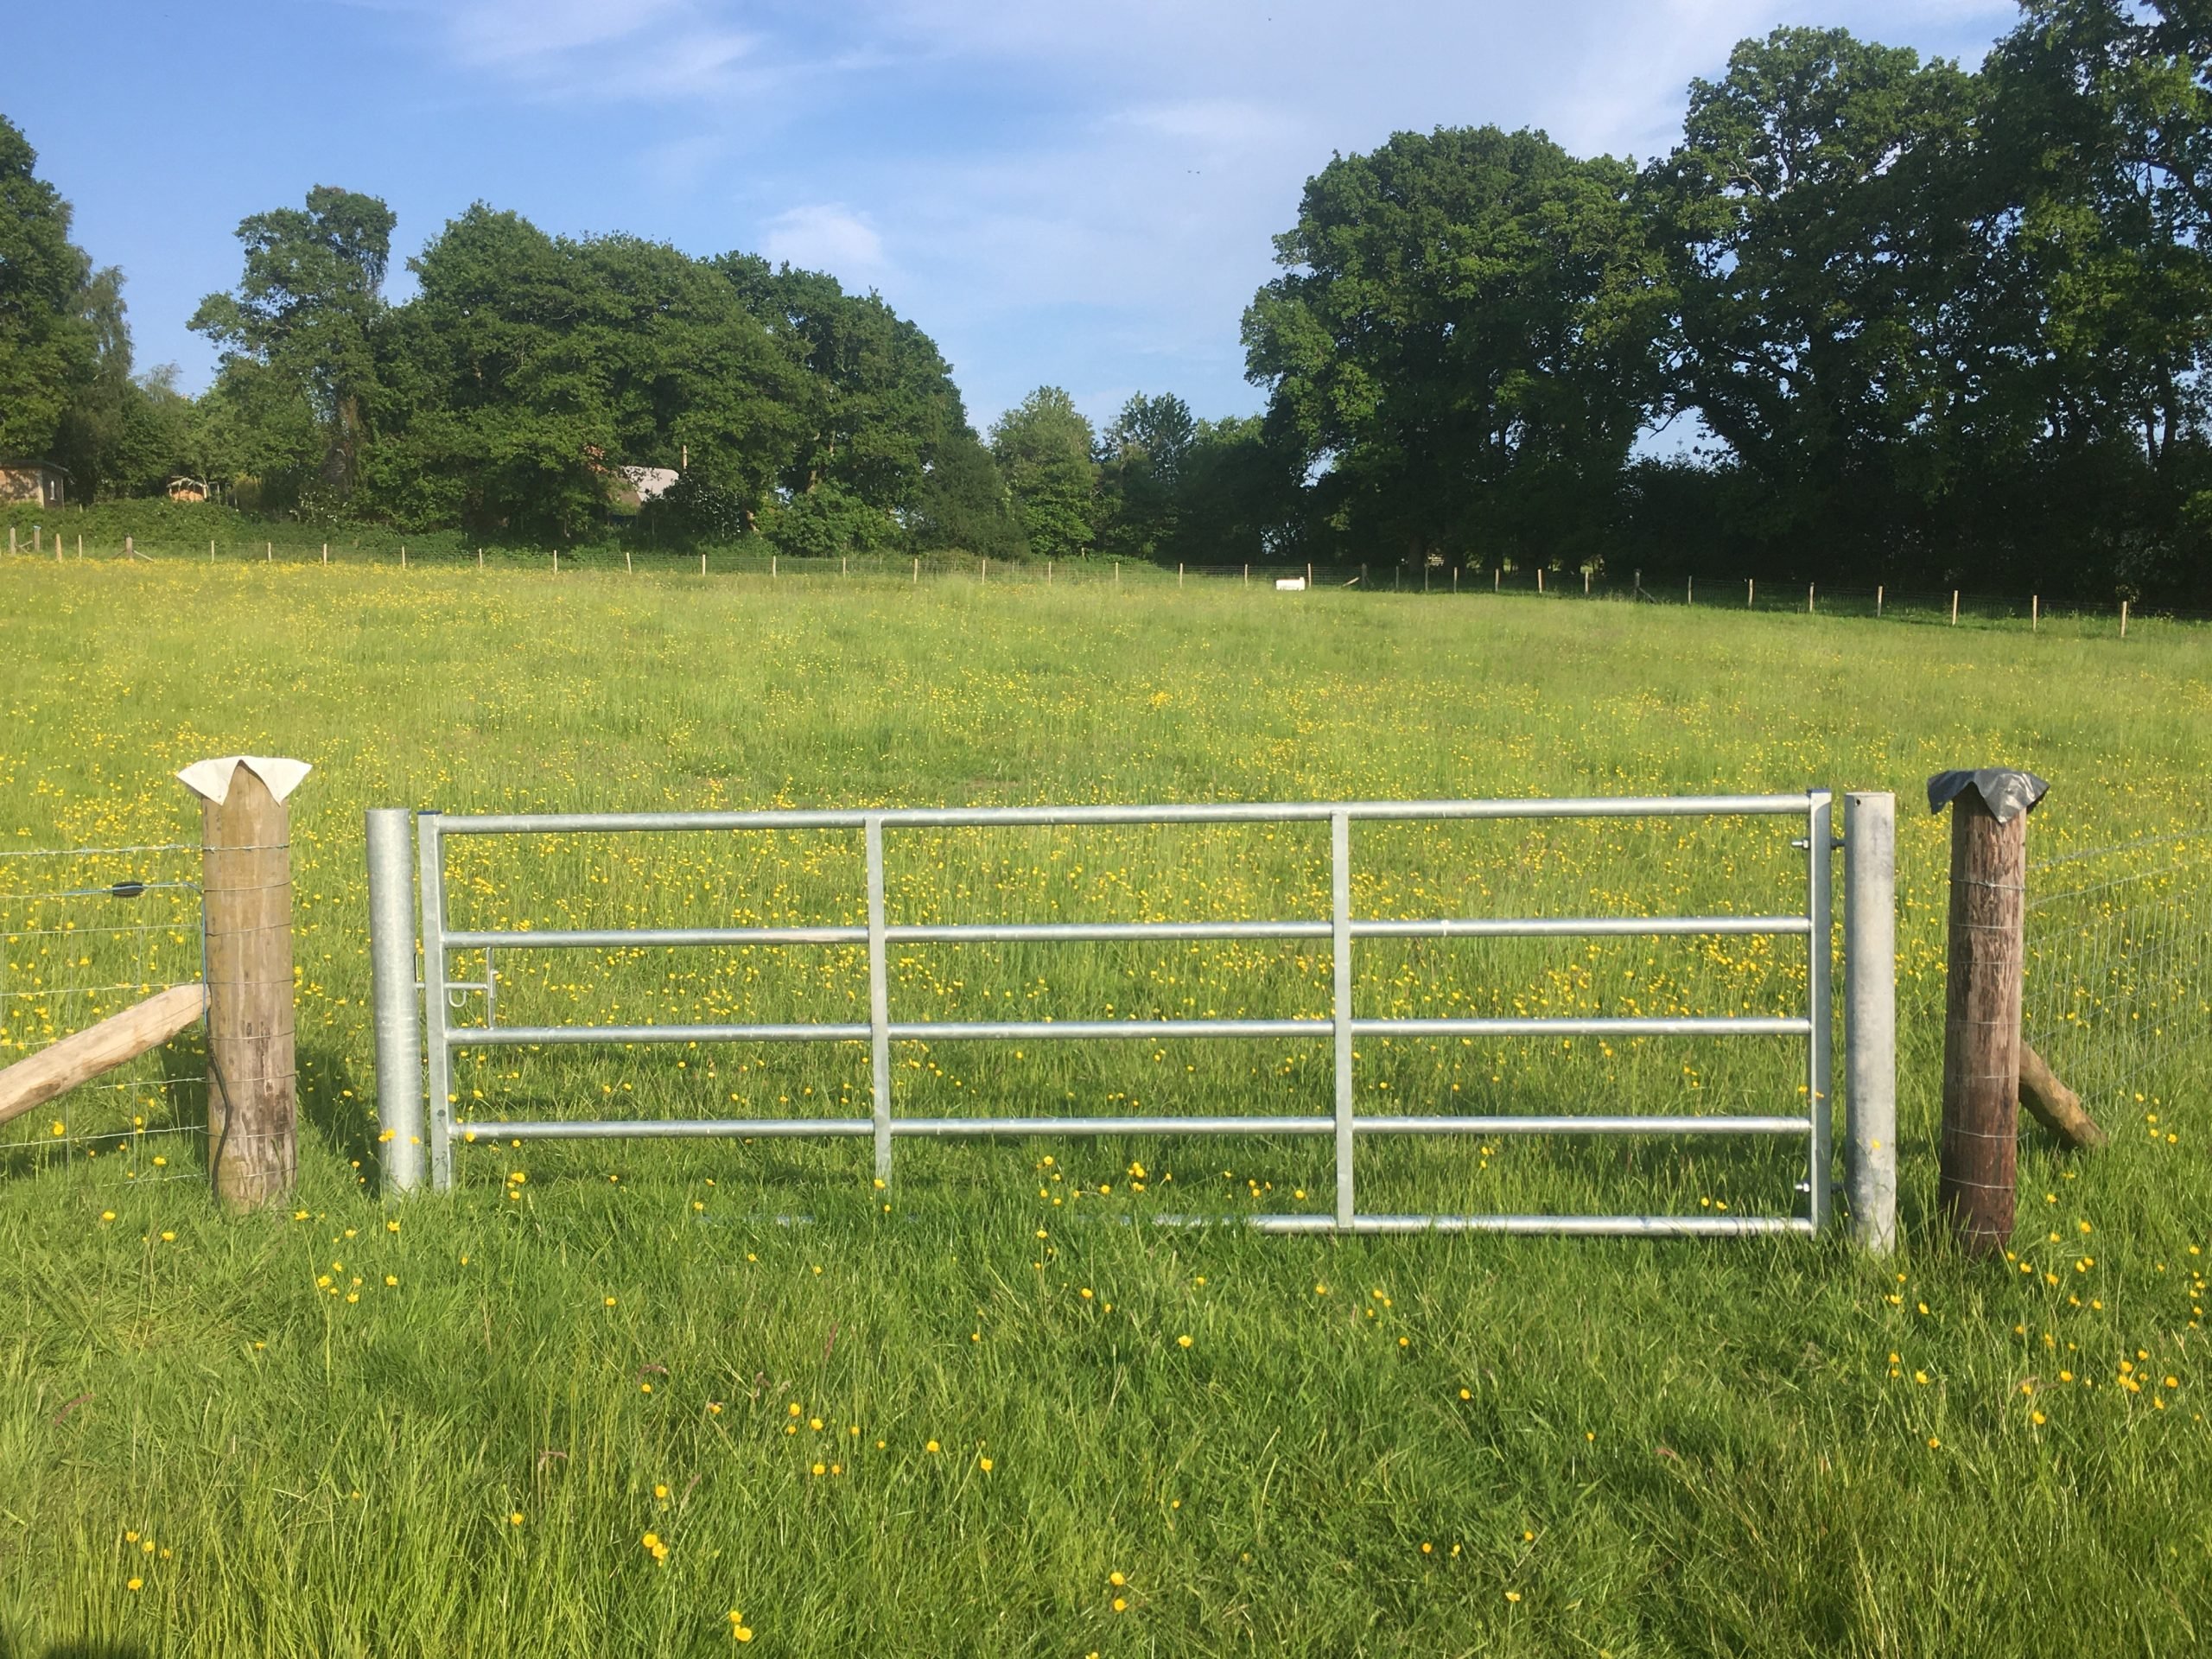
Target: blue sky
{"x":1077,"y":194}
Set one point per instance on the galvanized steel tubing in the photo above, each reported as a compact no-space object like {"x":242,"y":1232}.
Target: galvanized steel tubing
{"x":1341,"y":928}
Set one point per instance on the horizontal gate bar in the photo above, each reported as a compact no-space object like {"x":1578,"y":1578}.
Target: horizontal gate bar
{"x":1577,"y":1226}
{"x":1616,"y":806}
{"x":990,"y":1128}
{"x":1618,"y":1124}
{"x":948,"y":1031}
{"x":1476,"y":927}
{"x":621,"y":939}
{"x":954,"y":1128}
{"x":508,"y":1036}
{"x":1550,"y":927}
{"x":1657,"y":1025}
{"x":604,"y":1129}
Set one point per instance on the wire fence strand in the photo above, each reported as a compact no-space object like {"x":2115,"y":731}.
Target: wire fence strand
{"x":2118,"y":997}
{"x":68,"y":960}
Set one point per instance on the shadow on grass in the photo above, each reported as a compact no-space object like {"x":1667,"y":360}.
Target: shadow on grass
{"x":10,"y":1648}
{"x":333,"y":1106}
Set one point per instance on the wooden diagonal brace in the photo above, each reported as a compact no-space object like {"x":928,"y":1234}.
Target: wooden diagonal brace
{"x":84,"y":1055}
{"x":2052,"y":1104}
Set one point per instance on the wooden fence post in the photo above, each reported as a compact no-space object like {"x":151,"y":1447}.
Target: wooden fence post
{"x":1981,"y":1002}
{"x":246,"y":888}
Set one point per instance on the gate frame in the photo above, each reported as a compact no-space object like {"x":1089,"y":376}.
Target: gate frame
{"x":404,"y":1121}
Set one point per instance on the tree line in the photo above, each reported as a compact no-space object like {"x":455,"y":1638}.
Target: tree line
{"x":1873,"y":319}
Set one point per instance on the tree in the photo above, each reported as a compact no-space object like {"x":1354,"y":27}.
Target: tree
{"x":303,"y":322}
{"x":878,"y":400}
{"x":1043,"y":446}
{"x":964,"y":504}
{"x":1464,"y":344}
{"x":48,"y":344}
{"x":1234,"y":490}
{"x":1141,"y":459}
{"x":1820,"y":222}
{"x":529,"y":366}
{"x":106,"y":405}
{"x":2098,"y":317}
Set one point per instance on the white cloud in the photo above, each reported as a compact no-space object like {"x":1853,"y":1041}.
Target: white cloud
{"x":649,"y":49}
{"x":826,"y":236}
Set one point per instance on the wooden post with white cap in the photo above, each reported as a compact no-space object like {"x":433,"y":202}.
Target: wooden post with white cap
{"x":246,"y":891}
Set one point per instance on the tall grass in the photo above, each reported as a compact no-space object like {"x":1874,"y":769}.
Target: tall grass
{"x":357,"y":1425}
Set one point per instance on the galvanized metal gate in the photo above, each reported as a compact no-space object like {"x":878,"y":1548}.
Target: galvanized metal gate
{"x":399,"y":1053}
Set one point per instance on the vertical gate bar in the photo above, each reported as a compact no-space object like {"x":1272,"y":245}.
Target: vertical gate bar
{"x":1870,"y":1017}
{"x":431,"y":874}
{"x":1340,"y":924}
{"x":878,"y":1001}
{"x":398,"y":1028}
{"x":1820,"y":857}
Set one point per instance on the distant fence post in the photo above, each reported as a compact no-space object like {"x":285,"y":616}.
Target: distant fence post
{"x":1870,"y":1017}
{"x":246,"y":886}
{"x":1981,"y":1001}
{"x":398,"y":1029}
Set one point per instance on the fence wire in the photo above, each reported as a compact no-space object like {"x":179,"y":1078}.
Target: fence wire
{"x":2119,"y":993}
{"x":87,"y":932}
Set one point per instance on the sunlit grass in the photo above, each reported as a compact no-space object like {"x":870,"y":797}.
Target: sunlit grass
{"x":1420,"y":1445}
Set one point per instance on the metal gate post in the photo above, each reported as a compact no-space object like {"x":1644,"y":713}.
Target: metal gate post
{"x":391,"y":965}
{"x":878,"y":1001}
{"x":431,"y":874}
{"x":1820,"y":994}
{"x":1340,"y":977}
{"x":1870,"y":1017}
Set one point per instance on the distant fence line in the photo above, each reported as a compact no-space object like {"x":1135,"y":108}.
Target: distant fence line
{"x":1762,"y":595}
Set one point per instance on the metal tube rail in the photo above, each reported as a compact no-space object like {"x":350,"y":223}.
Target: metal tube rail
{"x":398,"y":1030}
{"x":1870,"y":995}
{"x":950,"y":1031}
{"x":1611,"y":806}
{"x":1820,"y":1004}
{"x":1571,"y":1226}
{"x":431,"y":880}
{"x":951,"y":1128}
{"x":1467,"y":927}
{"x":517,"y":1036}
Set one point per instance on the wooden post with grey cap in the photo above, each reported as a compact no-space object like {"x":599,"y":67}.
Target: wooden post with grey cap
{"x":1982,"y":998}
{"x":246,"y":889}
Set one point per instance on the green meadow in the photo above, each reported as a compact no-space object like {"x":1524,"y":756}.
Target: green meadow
{"x":700,"y":1397}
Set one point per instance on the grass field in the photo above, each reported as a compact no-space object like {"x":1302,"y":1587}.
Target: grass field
{"x":680,"y":1399}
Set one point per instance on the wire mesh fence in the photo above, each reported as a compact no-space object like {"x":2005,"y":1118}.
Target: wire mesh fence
{"x":2118,"y":995}
{"x":84,"y":933}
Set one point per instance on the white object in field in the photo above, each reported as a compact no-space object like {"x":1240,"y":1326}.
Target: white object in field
{"x":1290,"y":584}
{"x":211,"y":780}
